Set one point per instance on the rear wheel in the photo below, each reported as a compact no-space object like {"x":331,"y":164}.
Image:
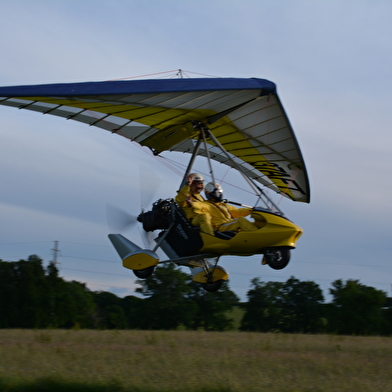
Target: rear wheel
{"x":144,"y":273}
{"x":214,"y":286}
{"x":277,"y":258}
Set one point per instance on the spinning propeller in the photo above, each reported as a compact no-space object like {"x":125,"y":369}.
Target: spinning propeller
{"x":120,"y":220}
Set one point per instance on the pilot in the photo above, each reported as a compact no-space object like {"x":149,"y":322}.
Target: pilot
{"x":189,"y":194}
{"x":224,"y":217}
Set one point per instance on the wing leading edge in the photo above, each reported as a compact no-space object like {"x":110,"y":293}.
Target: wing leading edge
{"x":245,"y":115}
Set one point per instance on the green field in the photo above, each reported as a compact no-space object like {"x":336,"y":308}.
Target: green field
{"x":84,"y":360}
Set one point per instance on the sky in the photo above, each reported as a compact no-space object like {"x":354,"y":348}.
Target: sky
{"x":331,"y":62}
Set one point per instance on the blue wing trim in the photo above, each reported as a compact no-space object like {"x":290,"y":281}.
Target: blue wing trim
{"x":154,"y":86}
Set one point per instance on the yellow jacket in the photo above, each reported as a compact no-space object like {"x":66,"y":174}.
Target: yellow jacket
{"x":220,"y":212}
{"x":181,"y":197}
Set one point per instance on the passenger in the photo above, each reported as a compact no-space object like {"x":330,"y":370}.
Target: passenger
{"x":189,"y":194}
{"x":224,"y":217}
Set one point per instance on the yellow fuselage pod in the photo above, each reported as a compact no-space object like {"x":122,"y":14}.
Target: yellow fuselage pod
{"x":274,"y":231}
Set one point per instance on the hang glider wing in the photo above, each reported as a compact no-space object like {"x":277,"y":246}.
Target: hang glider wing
{"x":245,"y":115}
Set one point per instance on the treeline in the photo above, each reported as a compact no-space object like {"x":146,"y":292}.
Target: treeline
{"x":32,"y":296}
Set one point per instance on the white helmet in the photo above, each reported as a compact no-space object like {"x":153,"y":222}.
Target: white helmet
{"x":213,"y":192}
{"x":196,"y":177}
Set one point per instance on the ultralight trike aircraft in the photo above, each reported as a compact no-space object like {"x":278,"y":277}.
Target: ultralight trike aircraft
{"x":238,"y":122}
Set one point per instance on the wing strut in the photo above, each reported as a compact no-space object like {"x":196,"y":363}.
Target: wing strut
{"x":192,"y":161}
{"x":203,"y":134}
{"x":205,"y":131}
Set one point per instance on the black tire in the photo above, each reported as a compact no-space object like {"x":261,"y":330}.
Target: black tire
{"x":214,"y":286}
{"x":144,"y":273}
{"x":277,"y":258}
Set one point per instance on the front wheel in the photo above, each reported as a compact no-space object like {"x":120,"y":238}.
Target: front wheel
{"x":144,"y":273}
{"x":277,"y":258}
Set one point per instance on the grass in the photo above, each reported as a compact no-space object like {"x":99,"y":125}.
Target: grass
{"x":236,"y":314}
{"x":152,"y":361}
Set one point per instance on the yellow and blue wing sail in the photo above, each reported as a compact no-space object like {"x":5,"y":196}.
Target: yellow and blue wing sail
{"x":245,"y":115}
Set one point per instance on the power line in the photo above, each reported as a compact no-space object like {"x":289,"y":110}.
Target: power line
{"x":93,"y":272}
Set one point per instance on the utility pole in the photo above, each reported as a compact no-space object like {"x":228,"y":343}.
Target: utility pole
{"x":53,"y":288}
{"x":55,"y":251}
